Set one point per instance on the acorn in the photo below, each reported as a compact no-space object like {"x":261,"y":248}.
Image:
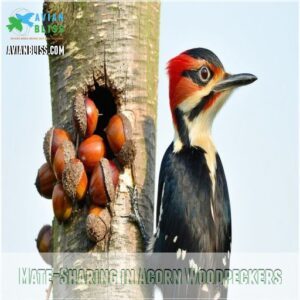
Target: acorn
{"x":97,"y":223}
{"x":45,"y":181}
{"x":119,"y":136}
{"x":65,"y":152}
{"x":91,"y":151}
{"x":53,"y":139}
{"x":103,"y":183}
{"x":62,"y":204}
{"x":74,"y":179}
{"x":85,"y":115}
{"x":44,"y":243}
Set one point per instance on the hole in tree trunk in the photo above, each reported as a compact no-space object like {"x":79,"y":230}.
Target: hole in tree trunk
{"x":107,"y":99}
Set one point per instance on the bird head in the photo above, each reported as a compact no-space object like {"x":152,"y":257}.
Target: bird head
{"x":199,"y":86}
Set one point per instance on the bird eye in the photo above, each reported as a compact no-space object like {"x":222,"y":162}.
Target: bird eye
{"x":204,"y":74}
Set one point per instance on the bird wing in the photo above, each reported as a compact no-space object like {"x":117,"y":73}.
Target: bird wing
{"x":161,"y":182}
{"x":221,"y":206}
{"x":186,"y":227}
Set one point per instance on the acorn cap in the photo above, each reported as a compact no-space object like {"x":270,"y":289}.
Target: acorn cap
{"x":127,"y":153}
{"x":48,"y":144}
{"x":108,"y":178}
{"x":103,"y":182}
{"x":54,"y":137}
{"x":79,"y":114}
{"x":68,"y":153}
{"x":69,"y":150}
{"x":119,"y":135}
{"x":97,"y":226}
{"x":127,"y":126}
{"x":71,"y":177}
{"x":97,"y":189}
{"x":85,"y":115}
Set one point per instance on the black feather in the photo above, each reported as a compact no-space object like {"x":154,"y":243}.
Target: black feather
{"x":161,"y":180}
{"x":202,"y":53}
{"x":186,"y":202}
{"x":194,"y":76}
{"x":199,"y":107}
{"x":182,"y":128}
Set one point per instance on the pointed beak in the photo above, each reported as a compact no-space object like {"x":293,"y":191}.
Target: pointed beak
{"x":234,"y":81}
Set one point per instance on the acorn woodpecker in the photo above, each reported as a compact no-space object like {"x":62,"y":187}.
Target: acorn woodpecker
{"x":193,"y":208}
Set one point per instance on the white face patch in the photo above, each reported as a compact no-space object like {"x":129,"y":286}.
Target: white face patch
{"x":200,"y":132}
{"x":189,"y":103}
{"x":175,"y":239}
{"x":186,"y":106}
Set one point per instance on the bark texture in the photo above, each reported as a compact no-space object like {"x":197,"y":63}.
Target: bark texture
{"x":115,"y":42}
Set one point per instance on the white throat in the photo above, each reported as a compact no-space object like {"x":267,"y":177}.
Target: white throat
{"x":200,"y":134}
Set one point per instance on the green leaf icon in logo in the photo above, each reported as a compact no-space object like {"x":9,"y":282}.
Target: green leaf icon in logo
{"x":14,"y":24}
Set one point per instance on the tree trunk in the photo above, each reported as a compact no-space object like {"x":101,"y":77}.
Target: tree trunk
{"x":111,"y":46}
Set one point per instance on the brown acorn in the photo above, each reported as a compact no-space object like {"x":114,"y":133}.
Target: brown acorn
{"x":64,"y":153}
{"x":97,"y":223}
{"x":45,"y":181}
{"x":103,"y":183}
{"x":119,"y":136}
{"x":74,"y":179}
{"x":114,"y":171}
{"x":44,"y":243}
{"x":53,"y":139}
{"x":62,"y":204}
{"x":85,"y":115}
{"x":91,"y":151}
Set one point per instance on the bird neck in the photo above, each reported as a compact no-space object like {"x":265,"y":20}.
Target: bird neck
{"x":199,"y":136}
{"x":194,"y":133}
{"x":193,"y":124}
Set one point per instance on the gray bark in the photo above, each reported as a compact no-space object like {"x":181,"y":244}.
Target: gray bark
{"x":120,"y":40}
